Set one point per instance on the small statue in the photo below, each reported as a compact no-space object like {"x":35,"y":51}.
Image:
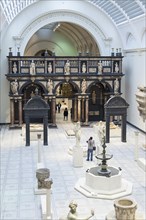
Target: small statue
{"x":50,"y":86}
{"x":77,"y":131}
{"x":49,"y":67}
{"x":67,"y":68}
{"x":116,"y":67}
{"x":84,"y":86}
{"x":14,"y":87}
{"x":101,"y":133}
{"x":73,"y":215}
{"x":100,"y":67}
{"x":94,"y":97}
{"x":84,"y":68}
{"x":14,"y":68}
{"x":32,"y":68}
{"x":116,"y":86}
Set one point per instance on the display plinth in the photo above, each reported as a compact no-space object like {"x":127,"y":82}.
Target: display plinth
{"x":77,"y":157}
{"x":111,"y":216}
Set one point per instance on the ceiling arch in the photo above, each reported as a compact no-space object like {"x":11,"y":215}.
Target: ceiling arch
{"x":118,"y":10}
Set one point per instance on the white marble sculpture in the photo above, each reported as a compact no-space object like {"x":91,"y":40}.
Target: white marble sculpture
{"x":14,"y":87}
{"x":67,"y":68}
{"x":77,"y":130}
{"x":116,"y":67}
{"x":84,"y":86}
{"x":73,"y":215}
{"x":83,"y":68}
{"x":49,"y":68}
{"x":32,"y":68}
{"x":116,"y":86}
{"x":50,"y":86}
{"x":101,"y":132}
{"x":14,"y":68}
{"x":100,"y":67}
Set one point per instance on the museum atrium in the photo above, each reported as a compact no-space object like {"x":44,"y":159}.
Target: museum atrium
{"x":88,"y":56}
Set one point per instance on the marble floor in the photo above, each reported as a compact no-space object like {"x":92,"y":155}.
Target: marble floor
{"x":19,"y":164}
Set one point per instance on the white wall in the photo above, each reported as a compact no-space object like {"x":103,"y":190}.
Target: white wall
{"x":135,"y":75}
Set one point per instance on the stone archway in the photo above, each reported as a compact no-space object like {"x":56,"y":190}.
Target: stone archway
{"x":97,"y":97}
{"x":65,"y":98}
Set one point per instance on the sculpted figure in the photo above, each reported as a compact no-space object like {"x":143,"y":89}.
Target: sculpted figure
{"x":101,"y":133}
{"x":84,"y":86}
{"x":116,"y":86}
{"x":32,"y":68}
{"x":14,"y":87}
{"x":14,"y":68}
{"x":77,"y":131}
{"x":67,"y":68}
{"x":73,"y":215}
{"x":84,"y":68}
{"x":100,"y":67}
{"x":50,"y":86}
{"x":116,"y":67}
{"x":49,"y":68}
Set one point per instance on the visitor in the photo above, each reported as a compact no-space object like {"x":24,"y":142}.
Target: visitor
{"x":91,"y":145}
{"x":59,"y":107}
{"x":65,"y":114}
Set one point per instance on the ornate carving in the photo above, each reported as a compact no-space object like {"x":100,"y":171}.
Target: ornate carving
{"x":141,"y":99}
{"x":125,"y":209}
{"x":44,"y":181}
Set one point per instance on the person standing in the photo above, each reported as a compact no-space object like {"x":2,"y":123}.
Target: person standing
{"x":91,"y":144}
{"x":65,"y":114}
{"x":59,"y":107}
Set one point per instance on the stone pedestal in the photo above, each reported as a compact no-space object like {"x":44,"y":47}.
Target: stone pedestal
{"x":77,"y":156}
{"x":125,"y":209}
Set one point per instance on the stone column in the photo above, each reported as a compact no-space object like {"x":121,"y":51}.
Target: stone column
{"x":54,"y":110}
{"x":12,"y":111}
{"x":20,"y":111}
{"x":86,"y":110}
{"x":123,"y":127}
{"x":75,"y":110}
{"x":136,"y":149}
{"x":83,"y":110}
{"x":107,"y":134}
{"x":27,"y":131}
{"x":39,"y":148}
{"x":79,"y":108}
{"x":45,"y":122}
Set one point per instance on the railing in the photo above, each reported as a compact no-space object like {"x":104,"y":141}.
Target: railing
{"x":64,"y":65}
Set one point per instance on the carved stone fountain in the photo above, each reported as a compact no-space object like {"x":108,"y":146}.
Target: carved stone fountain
{"x":104,"y":181}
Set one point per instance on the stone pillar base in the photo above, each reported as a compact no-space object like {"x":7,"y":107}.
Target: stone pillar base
{"x":77,"y":157}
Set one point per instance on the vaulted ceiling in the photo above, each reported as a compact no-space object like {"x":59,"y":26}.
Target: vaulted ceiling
{"x":118,"y":10}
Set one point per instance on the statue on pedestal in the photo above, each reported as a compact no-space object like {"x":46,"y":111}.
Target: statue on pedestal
{"x":77,"y":131}
{"x":14,"y":87}
{"x":101,"y":133}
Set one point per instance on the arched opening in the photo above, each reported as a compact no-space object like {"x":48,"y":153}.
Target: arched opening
{"x":65,"y":96}
{"x":28,"y":92}
{"x":99,"y":93}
